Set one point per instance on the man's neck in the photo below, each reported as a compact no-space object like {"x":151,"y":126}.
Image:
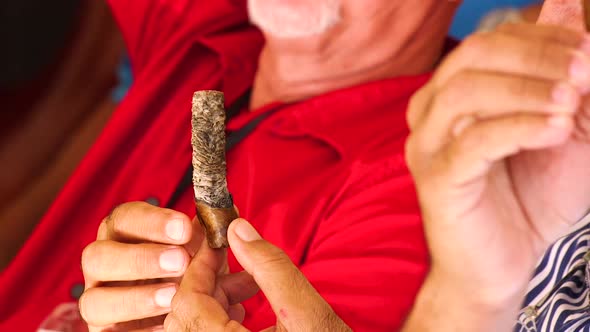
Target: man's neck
{"x":408,"y":40}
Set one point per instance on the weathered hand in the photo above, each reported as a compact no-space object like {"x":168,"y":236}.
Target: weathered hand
{"x":553,"y":183}
{"x":132,"y":271}
{"x":499,"y":152}
{"x":208,"y":300}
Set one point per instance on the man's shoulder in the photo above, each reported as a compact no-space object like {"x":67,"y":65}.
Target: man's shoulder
{"x":166,"y":29}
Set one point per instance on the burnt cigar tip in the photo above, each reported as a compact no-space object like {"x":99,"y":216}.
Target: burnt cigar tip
{"x":208,"y":94}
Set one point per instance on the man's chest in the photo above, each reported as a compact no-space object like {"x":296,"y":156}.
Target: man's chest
{"x":284,"y":185}
{"x":279,"y":183}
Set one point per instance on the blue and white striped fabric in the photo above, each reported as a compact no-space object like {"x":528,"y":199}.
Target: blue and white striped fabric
{"x":557,"y":298}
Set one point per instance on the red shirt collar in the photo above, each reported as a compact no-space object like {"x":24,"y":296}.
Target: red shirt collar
{"x":333,"y":117}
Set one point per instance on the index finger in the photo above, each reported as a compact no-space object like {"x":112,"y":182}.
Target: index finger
{"x":510,"y":53}
{"x":140,"y":221}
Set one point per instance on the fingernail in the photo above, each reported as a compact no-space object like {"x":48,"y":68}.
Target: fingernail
{"x":172,"y":260}
{"x":560,"y":121}
{"x":580,"y":70}
{"x":564,"y":94}
{"x":163,"y":297}
{"x":245,"y":231}
{"x":462,"y":124}
{"x":175,"y":229}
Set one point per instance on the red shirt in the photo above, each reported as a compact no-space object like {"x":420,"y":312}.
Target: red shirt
{"x":324,"y":179}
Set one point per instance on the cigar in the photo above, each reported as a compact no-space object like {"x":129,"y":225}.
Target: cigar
{"x":214,"y":203}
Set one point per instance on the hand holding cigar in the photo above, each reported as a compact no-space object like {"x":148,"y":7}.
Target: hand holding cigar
{"x":214,"y":203}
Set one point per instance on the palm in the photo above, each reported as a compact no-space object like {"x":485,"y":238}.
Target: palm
{"x":490,"y":219}
{"x":515,"y":211}
{"x":554,"y":186}
{"x":540,"y":178}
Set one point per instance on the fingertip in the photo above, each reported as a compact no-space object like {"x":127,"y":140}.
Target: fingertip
{"x":235,"y":222}
{"x":238,"y":245}
{"x":561,"y":129}
{"x":232,"y":237}
{"x":566,"y":96}
{"x":243,"y":231}
{"x":561,"y":122}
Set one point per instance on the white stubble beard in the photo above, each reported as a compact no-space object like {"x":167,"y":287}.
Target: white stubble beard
{"x":294,"y":19}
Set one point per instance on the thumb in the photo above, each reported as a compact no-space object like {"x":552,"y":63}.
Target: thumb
{"x":297,"y":305}
{"x":566,"y":13}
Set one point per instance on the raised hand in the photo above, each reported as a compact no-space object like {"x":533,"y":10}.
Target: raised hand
{"x":499,"y":151}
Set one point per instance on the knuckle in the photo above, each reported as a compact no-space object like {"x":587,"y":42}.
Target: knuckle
{"x":113,"y":215}
{"x":179,"y":301}
{"x":171,"y":323}
{"x":537,"y":55}
{"x":520,"y":87}
{"x":193,"y":326}
{"x":116,"y":211}
{"x":418,"y":153}
{"x":416,"y":107}
{"x":475,"y":45}
{"x":116,"y":219}
{"x":509,"y":27}
{"x":86,"y":301}
{"x":82,"y":307}
{"x":91,"y":258}
{"x":454,"y":91}
{"x":142,"y":259}
{"x":411,"y":152}
{"x":123,"y":209}
{"x":275,"y":258}
{"x":523,"y":123}
{"x":470,"y":140}
{"x":233,"y":326}
{"x":182,"y":318}
{"x":102,"y":229}
{"x":130,"y":302}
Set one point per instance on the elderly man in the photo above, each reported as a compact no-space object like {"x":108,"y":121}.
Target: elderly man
{"x":485,"y":164}
{"x":501,"y":174}
{"x":323,"y":176}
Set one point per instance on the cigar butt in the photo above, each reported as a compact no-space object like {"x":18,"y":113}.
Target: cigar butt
{"x":215,"y":209}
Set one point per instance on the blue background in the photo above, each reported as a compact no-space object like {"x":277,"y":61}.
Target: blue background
{"x":466,"y":20}
{"x":471,"y":11}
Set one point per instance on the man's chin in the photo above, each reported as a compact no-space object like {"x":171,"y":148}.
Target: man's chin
{"x":294,"y":19}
